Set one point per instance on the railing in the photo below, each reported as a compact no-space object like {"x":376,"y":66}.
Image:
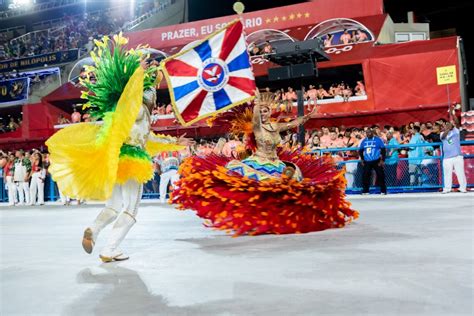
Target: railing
{"x":405,"y":174}
{"x":10,"y":31}
{"x":163,"y":5}
{"x":420,"y":174}
{"x":51,"y":32}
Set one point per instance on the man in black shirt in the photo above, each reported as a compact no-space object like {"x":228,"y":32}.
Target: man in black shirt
{"x":434,"y":136}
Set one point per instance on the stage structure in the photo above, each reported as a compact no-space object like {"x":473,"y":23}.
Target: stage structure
{"x":297,"y":60}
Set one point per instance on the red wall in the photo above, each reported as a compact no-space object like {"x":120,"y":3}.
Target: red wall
{"x":37,"y":125}
{"x":302,"y":14}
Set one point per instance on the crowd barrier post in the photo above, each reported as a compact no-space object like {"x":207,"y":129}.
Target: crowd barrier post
{"x":52,"y":196}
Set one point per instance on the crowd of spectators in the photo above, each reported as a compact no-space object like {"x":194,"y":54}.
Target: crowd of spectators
{"x":256,"y":50}
{"x":9,"y":124}
{"x":24,"y":175}
{"x":414,"y":141}
{"x":76,"y":116}
{"x":338,"y":91}
{"x":347,"y":37}
{"x":77,"y":32}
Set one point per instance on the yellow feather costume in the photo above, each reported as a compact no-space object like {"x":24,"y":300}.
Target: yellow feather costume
{"x":87,"y":160}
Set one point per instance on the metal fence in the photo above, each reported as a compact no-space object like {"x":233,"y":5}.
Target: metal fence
{"x":420,"y":174}
{"x":406,"y":173}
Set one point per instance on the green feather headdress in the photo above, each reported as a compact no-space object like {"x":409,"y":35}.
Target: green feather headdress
{"x":113,"y":68}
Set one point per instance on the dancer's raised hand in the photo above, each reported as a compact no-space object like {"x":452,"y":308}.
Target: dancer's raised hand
{"x":182,"y":140}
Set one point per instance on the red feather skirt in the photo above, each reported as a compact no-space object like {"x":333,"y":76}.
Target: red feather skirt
{"x":240,"y":205}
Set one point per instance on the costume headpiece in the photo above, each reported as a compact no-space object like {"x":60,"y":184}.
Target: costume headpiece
{"x":114,"y":66}
{"x":266,"y":99}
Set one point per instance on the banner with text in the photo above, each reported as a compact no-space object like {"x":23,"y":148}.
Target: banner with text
{"x":14,"y":91}
{"x":39,"y":60}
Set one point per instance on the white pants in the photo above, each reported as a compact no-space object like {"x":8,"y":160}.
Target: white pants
{"x":126,"y":197}
{"x":165,"y":178}
{"x":458,"y":164}
{"x":11,"y":187}
{"x":64,"y":199}
{"x":37,"y":188}
{"x":23,"y":192}
{"x":351,"y":169}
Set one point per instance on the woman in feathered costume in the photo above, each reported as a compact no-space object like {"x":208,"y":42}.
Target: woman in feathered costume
{"x":272,"y":191}
{"x":111,"y":161}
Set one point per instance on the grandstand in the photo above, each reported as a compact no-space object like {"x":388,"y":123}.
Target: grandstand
{"x":56,"y":35}
{"x":395,"y":61}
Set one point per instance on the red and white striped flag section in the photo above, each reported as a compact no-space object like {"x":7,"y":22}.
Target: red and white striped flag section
{"x":213,"y":76}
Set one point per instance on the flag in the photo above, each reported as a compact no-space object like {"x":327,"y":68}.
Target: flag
{"x":210,"y":77}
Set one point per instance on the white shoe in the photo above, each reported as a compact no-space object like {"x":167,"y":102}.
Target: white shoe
{"x":105,"y":217}
{"x":111,"y":251}
{"x":445,"y":192}
{"x":117,"y":255}
{"x":463,"y":191}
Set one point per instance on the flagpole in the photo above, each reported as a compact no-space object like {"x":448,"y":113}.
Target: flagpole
{"x":239,"y":8}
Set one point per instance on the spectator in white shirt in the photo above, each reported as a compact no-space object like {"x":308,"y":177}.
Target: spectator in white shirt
{"x":21,"y":171}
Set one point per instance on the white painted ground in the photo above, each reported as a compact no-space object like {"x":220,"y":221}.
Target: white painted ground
{"x":406,"y":255}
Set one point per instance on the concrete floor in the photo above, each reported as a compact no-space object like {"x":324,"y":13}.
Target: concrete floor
{"x":406,"y":255}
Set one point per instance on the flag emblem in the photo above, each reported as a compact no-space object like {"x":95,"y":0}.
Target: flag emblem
{"x":213,"y":76}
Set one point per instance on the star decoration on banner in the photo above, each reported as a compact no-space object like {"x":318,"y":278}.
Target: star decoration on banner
{"x":290,"y":17}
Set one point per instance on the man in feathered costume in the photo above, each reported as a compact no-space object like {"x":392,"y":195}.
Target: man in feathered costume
{"x":111,"y":161}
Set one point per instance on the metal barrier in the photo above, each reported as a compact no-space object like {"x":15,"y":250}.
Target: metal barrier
{"x":405,"y":174}
{"x":420,"y":174}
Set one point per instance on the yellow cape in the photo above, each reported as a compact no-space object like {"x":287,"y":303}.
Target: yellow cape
{"x":84,"y":157}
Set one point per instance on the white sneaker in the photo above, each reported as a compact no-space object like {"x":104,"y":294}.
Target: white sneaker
{"x":122,"y":225}
{"x":445,"y":192}
{"x":463,"y":191}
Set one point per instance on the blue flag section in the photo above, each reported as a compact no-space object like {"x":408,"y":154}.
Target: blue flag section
{"x":14,"y":91}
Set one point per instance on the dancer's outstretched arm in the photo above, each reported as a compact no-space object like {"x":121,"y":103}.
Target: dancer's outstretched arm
{"x":158,"y":143}
{"x":256,"y":119}
{"x":295,"y":123}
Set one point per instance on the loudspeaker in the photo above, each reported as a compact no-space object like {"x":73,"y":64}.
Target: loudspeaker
{"x":291,"y":47}
{"x":279,"y":73}
{"x":302,"y":70}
